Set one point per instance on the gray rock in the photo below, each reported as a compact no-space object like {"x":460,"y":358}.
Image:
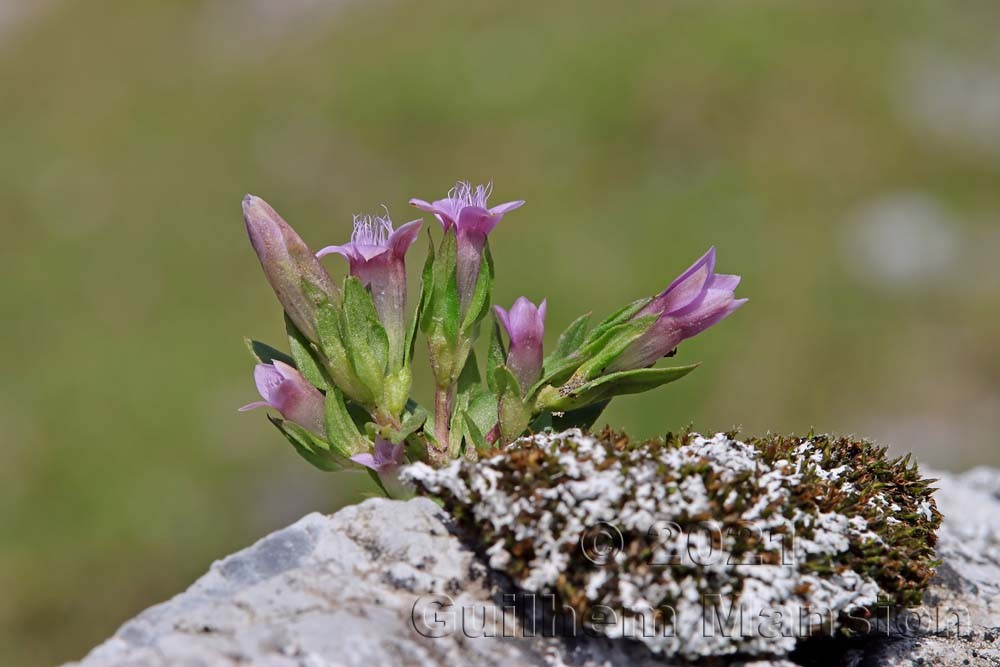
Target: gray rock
{"x":366,"y":586}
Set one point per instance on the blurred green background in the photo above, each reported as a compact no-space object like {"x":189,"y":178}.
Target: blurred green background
{"x":844,"y":158}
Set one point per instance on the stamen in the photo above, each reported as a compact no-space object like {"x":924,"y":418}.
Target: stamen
{"x":372,"y":230}
{"x":464,"y":193}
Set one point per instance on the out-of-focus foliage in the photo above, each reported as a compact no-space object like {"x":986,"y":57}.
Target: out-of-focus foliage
{"x":842,"y":157}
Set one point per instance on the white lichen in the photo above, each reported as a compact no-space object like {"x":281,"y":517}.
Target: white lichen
{"x":758,"y":600}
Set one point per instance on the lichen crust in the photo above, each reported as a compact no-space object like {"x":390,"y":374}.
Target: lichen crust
{"x":695,"y":545}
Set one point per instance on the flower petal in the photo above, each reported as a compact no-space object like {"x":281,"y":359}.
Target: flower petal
{"x":347,"y":250}
{"x":477,"y":220}
{"x":715,"y":306}
{"x":253,"y":406}
{"x":388,"y":454}
{"x":445,"y":210}
{"x":723,"y":281}
{"x":402,"y":238}
{"x":501,"y":209}
{"x":504,"y":318}
{"x":367,"y":253}
{"x":687,"y":288}
{"x":365,"y":459}
{"x":267,"y":378}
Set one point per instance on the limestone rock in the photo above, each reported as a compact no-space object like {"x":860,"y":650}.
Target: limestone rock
{"x":343,"y":590}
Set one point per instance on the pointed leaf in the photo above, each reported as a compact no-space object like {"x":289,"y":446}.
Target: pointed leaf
{"x":479,"y":304}
{"x":637,"y":381}
{"x":603,"y":350}
{"x":305,"y":356}
{"x":266,"y":354}
{"x":365,"y":339}
{"x":442,"y":312}
{"x":514,"y":415}
{"x":411,"y":423}
{"x":496,"y":356}
{"x":427,"y":292}
{"x":337,"y":363}
{"x":342,"y":432}
{"x":570,"y":397}
{"x":474,"y":436}
{"x":482,"y":410}
{"x":569,"y":341}
{"x":468,"y":382}
{"x":308,"y":446}
{"x":621,"y":315}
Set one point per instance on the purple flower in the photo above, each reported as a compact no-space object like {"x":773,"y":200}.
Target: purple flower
{"x":465,"y":209}
{"x":283,"y":388}
{"x":696,"y":300}
{"x":386,"y":457}
{"x":525,"y":326}
{"x":376,"y":254}
{"x":287,"y":263}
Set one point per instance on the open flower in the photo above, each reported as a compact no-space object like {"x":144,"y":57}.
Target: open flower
{"x":466,"y":210}
{"x":287,"y":263}
{"x":376,"y":254}
{"x":386,"y":457}
{"x":693,"y":302}
{"x":525,"y":327}
{"x":285,"y":389}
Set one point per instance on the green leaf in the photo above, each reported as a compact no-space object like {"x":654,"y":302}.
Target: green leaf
{"x":473,"y":434}
{"x":425,"y":284}
{"x":569,"y":340}
{"x":482,"y":410}
{"x":266,"y":354}
{"x":621,"y":315}
{"x":496,"y":356}
{"x":566,"y":358}
{"x":603,"y":350}
{"x":450,"y":308}
{"x":479,"y":303}
{"x":341,"y":429}
{"x":427,"y":292}
{"x":595,"y":353}
{"x":365,"y":339}
{"x":469,"y":378}
{"x":305,"y":356}
{"x":468,"y":383}
{"x":337,"y":363}
{"x":514,"y":414}
{"x":558,"y":374}
{"x":637,"y":381}
{"x":569,"y":397}
{"x":411,"y":423}
{"x":396,"y":390}
{"x":309,"y":447}
{"x":442,"y":310}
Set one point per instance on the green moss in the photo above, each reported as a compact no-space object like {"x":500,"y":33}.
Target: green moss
{"x":888,"y":503}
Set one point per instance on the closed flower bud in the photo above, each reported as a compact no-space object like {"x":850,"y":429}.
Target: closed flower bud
{"x":525,"y":327}
{"x":296,"y":276}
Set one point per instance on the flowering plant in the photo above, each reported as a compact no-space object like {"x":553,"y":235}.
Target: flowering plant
{"x":343,"y":390}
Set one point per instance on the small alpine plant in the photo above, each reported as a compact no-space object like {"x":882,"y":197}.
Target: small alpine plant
{"x":342,"y":391}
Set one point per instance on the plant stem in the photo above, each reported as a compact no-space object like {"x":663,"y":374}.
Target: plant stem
{"x":442,"y":423}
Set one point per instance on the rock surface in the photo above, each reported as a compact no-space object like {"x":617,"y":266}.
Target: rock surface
{"x":365,"y":587}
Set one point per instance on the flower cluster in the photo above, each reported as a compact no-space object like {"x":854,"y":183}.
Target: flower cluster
{"x":343,"y":390}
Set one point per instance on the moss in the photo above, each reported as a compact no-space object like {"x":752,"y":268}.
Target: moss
{"x":850,"y":516}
